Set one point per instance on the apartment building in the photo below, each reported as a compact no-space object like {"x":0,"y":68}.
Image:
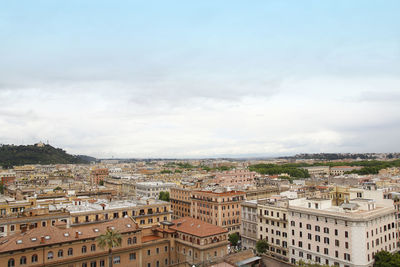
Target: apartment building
{"x":317,"y":171}
{"x":152,"y":189}
{"x":180,"y":202}
{"x":348,"y":235}
{"x":172,"y":244}
{"x":32,"y":218}
{"x":237,"y":177}
{"x":340,"y":170}
{"x":248,"y":230}
{"x":97,"y":175}
{"x":273,"y":225}
{"x":145,"y":212}
{"x":7,"y":177}
{"x":197,"y":242}
{"x":218,"y":208}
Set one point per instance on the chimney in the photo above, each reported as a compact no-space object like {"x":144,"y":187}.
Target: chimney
{"x":42,"y":240}
{"x":76,"y":235}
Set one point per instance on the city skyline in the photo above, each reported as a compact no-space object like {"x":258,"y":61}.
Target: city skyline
{"x":195,"y":80}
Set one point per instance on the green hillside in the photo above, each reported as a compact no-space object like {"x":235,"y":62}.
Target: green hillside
{"x":11,"y":155}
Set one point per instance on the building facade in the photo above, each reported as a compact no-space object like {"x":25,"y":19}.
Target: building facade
{"x":347,"y":236}
{"x":152,"y":189}
{"x":249,"y":225}
{"x":180,"y":202}
{"x":218,"y":208}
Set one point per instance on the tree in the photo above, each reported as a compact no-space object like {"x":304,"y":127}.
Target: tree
{"x":164,"y":196}
{"x":386,"y":259}
{"x":57,"y":189}
{"x":234,"y":239}
{"x":111,"y":239}
{"x":262,"y":246}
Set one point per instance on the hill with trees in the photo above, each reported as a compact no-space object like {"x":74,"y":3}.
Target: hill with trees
{"x":11,"y":155}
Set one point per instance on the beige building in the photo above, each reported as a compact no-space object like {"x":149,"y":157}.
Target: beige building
{"x":348,"y":235}
{"x":273,"y":226}
{"x":248,"y":230}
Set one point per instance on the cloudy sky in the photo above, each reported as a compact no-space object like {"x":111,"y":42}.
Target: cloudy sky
{"x":201,"y":78}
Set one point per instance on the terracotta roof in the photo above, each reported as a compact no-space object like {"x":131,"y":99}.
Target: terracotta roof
{"x":229,"y":193}
{"x":150,"y":238}
{"x":196,"y":227}
{"x":54,"y":235}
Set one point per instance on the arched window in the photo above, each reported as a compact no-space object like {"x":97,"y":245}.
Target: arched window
{"x":50,"y":255}
{"x":129,"y":241}
{"x":60,"y":253}
{"x":83,"y":249}
{"x":11,"y":263}
{"x":22,"y":260}
{"x":93,"y":247}
{"x":70,"y":252}
{"x":134,"y":240}
{"x":34,"y":258}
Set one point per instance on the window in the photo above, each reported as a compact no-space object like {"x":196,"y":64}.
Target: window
{"x":22,"y":260}
{"x":84,"y":249}
{"x":84,"y":264}
{"x":93,"y":247}
{"x":346,"y":234}
{"x":132,"y":256}
{"x":50,"y":255}
{"x":336,"y":242}
{"x":102,"y":263}
{"x":129,"y":241}
{"x":157,"y":250}
{"x":336,"y":232}
{"x":347,"y":256}
{"x":70,"y":252}
{"x":134,"y":240}
{"x":60,"y":253}
{"x":326,"y":230}
{"x":11,"y":263}
{"x":93,"y":264}
{"x":166,"y":248}
{"x":34,"y":258}
{"x":326,"y":251}
{"x":117,"y":260}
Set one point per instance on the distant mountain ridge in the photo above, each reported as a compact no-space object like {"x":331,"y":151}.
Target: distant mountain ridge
{"x":11,"y":155}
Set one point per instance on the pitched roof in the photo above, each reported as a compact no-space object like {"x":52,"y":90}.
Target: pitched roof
{"x":196,"y":227}
{"x":43,"y":236}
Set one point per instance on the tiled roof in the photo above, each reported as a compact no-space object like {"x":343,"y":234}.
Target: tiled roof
{"x":53,"y":235}
{"x":150,"y":238}
{"x":196,"y":227}
{"x":229,"y":193}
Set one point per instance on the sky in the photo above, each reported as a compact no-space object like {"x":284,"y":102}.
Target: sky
{"x":192,"y":79}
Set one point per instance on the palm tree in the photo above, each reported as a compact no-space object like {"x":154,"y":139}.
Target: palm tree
{"x":110,"y":240}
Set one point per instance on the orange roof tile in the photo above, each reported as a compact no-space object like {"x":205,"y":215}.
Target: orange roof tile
{"x":196,"y":227}
{"x":54,"y":235}
{"x":149,"y":238}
